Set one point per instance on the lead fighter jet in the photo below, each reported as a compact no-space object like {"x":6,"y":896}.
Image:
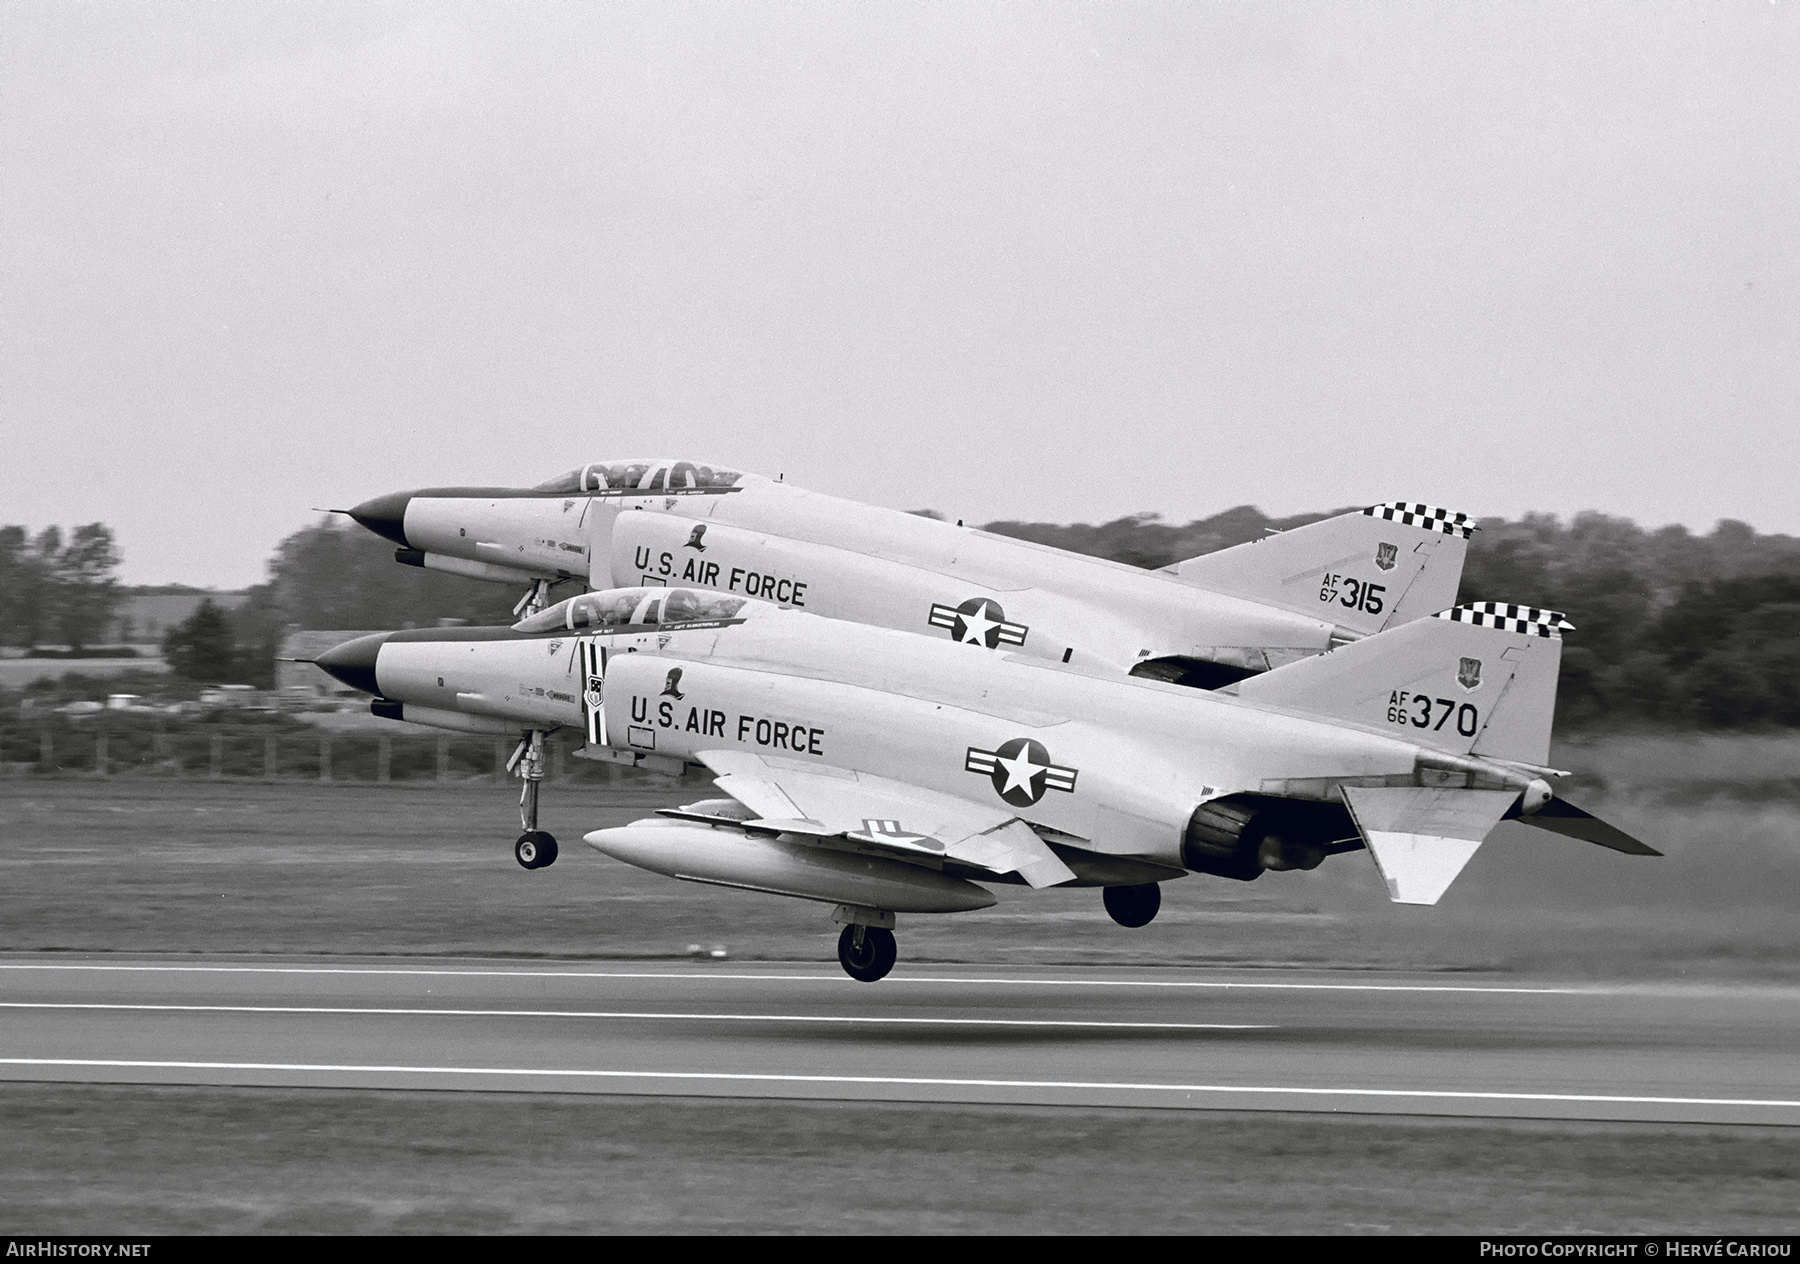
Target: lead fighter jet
{"x":1205,"y":622}
{"x":884,"y":772}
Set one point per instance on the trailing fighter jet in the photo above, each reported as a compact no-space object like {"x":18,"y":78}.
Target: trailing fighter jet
{"x":1206,"y":622}
{"x":884,"y":772}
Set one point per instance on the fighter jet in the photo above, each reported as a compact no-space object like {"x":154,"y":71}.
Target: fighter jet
{"x":883,"y":772}
{"x":1205,"y":622}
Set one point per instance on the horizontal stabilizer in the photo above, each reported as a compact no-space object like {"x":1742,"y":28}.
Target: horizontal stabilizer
{"x":1559,"y":816}
{"x":1422,"y":837}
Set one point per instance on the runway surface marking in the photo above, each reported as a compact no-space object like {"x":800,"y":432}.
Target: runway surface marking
{"x":826,"y":978}
{"x":573,"y":1013}
{"x":909,"y":1081}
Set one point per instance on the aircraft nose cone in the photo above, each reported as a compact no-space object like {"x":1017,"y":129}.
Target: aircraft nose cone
{"x":385,"y":515}
{"x":353,"y":662}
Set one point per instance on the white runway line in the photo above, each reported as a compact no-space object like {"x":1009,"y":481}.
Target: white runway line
{"x":912,"y":1020}
{"x":823,"y":978}
{"x":911,"y":1082}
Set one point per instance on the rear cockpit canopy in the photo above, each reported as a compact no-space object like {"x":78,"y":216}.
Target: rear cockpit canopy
{"x":634,"y":607}
{"x":664,"y":475}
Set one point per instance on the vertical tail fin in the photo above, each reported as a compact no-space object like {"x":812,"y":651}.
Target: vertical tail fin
{"x":1475,"y":680}
{"x":1386,"y":565}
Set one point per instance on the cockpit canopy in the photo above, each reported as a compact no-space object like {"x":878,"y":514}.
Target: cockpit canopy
{"x":664,"y":475}
{"x":633,"y":607}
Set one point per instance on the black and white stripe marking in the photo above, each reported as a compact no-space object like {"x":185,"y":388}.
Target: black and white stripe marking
{"x":593,"y":674}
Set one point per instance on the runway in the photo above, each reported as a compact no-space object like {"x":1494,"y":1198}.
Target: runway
{"x":1453,"y":1045}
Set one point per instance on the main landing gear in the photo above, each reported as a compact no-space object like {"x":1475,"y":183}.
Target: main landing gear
{"x":536,"y":848}
{"x":867,"y":953}
{"x":866,"y":949}
{"x":1134,"y":905}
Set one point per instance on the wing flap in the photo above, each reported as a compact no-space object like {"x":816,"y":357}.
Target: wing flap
{"x":1014,"y":847}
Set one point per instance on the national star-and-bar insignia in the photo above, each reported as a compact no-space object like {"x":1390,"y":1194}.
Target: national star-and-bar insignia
{"x":1021,"y":771}
{"x":978,"y":621}
{"x":593,"y":693}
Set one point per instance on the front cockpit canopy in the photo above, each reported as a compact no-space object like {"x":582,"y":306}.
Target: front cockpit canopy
{"x":633,"y":607}
{"x":665,"y":475}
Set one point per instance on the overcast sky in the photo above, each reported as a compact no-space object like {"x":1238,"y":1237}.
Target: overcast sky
{"x":1054,"y":261}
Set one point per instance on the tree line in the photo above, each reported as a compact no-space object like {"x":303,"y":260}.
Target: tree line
{"x":1673,"y":629}
{"x":334,"y":576}
{"x":56,"y":588}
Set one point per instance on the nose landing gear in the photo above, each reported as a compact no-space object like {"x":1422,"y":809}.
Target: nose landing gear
{"x":536,"y":848}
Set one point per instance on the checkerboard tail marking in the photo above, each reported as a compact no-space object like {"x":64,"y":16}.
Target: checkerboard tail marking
{"x":1529,"y":620}
{"x":1430,"y":517}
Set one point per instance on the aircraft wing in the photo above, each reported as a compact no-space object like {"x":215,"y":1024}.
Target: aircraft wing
{"x":904,"y":820}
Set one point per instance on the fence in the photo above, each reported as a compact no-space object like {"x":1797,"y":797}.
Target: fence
{"x":268,"y":754}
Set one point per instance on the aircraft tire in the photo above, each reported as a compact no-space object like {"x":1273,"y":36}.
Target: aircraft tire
{"x":535,"y":849}
{"x":874,"y":959}
{"x":1133,"y":906}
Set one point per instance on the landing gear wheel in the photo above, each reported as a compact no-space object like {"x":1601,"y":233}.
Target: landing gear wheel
{"x":1133,"y":906}
{"x":872,"y":958}
{"x":535,"y":849}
